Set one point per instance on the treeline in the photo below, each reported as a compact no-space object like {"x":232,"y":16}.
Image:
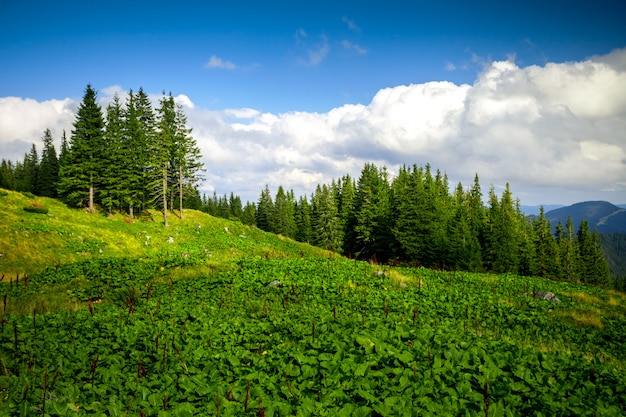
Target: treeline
{"x":128,"y":158}
{"x":414,"y":219}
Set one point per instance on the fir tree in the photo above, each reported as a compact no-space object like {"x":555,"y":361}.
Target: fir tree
{"x":114,"y":191}
{"x":284,"y":214}
{"x":264,"y":210}
{"x":303,"y":220}
{"x":568,"y":253}
{"x":81,"y":175}
{"x":325,"y":220}
{"x":48,"y":168}
{"x":185,"y":157}
{"x":546,"y":253}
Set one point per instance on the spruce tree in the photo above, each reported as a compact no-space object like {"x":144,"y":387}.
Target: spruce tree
{"x":248,"y":214}
{"x":284,"y":214}
{"x":546,"y":253}
{"x":325,"y":220}
{"x":113,"y":191}
{"x":48,"y":168}
{"x":568,"y":253}
{"x":186,"y":158}
{"x":161,"y":151}
{"x":264,"y":211}
{"x":372,"y":210}
{"x":303,"y":220}
{"x":80,"y":177}
{"x":30,"y":177}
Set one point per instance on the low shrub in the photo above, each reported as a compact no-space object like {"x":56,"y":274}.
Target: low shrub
{"x":3,"y":193}
{"x":36,"y":208}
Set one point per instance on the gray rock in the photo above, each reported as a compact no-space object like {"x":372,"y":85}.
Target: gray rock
{"x":276,"y":284}
{"x":545,"y":295}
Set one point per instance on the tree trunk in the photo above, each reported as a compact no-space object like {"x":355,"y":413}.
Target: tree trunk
{"x":165,"y":195}
{"x":91,"y":209}
{"x":180,"y":190}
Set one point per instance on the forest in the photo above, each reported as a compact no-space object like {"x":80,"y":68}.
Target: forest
{"x":130,"y":157}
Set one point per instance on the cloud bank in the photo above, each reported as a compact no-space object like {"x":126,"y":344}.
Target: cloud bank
{"x":555,"y":132}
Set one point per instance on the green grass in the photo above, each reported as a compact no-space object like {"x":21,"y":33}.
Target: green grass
{"x":31,"y":242}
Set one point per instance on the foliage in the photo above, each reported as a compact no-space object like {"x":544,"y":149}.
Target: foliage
{"x":336,"y":338}
{"x":36,"y":209}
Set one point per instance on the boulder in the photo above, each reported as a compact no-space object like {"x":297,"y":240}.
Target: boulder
{"x":276,"y":284}
{"x":545,"y":295}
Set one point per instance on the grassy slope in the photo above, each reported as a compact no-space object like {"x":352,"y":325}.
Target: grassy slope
{"x":31,"y":242}
{"x":589,"y":321}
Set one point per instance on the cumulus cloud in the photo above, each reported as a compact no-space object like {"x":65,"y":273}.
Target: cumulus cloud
{"x":217,"y":62}
{"x":555,"y":132}
{"x":24,"y":120}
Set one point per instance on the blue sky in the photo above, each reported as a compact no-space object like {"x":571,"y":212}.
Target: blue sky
{"x":258,"y":77}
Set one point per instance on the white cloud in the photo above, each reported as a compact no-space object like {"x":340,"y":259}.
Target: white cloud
{"x":23,"y":121}
{"x":556,"y":133}
{"x":353,"y":47}
{"x":319,"y":52}
{"x":217,"y":62}
{"x":350,"y":24}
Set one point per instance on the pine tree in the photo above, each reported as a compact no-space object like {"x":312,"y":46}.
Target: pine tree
{"x":248,"y":214}
{"x":48,"y":168}
{"x":264,"y":210}
{"x":186,"y":158}
{"x":325,"y":220}
{"x":114,"y":192}
{"x":138,"y":132}
{"x":236,"y":207}
{"x":7,"y":173}
{"x":303,"y":220}
{"x":284,"y":214}
{"x":81,"y":175}
{"x":546,"y":253}
{"x":568,"y":252}
{"x":372,"y":210}
{"x":502,"y":239}
{"x":161,"y":151}
{"x":30,"y":178}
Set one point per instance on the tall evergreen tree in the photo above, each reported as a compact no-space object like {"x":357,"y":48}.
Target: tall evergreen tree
{"x":30,"y":177}
{"x":264,"y":210}
{"x":568,"y":252}
{"x":502,"y":240}
{"x":546,"y":253}
{"x":325,"y":220}
{"x":114,"y":191}
{"x":139,"y":129}
{"x":248,"y":214}
{"x":48,"y":168}
{"x":186,"y":158}
{"x":303,"y":220}
{"x":372,"y":209}
{"x":161,"y":151}
{"x":284,"y":214}
{"x":80,"y":176}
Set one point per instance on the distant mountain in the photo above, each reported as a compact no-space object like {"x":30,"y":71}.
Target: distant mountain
{"x":534,"y":210}
{"x":601,"y":215}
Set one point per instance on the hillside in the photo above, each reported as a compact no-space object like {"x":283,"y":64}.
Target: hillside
{"x":601,"y":215}
{"x":30,"y":242}
{"x":210,"y":317}
{"x":610,"y":222}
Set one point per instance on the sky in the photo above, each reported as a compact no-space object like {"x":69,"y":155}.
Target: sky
{"x":295,"y":94}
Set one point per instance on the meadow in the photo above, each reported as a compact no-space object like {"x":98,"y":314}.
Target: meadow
{"x":108,"y":316}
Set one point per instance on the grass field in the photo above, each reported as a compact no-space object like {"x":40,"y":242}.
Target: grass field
{"x":117,"y":317}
